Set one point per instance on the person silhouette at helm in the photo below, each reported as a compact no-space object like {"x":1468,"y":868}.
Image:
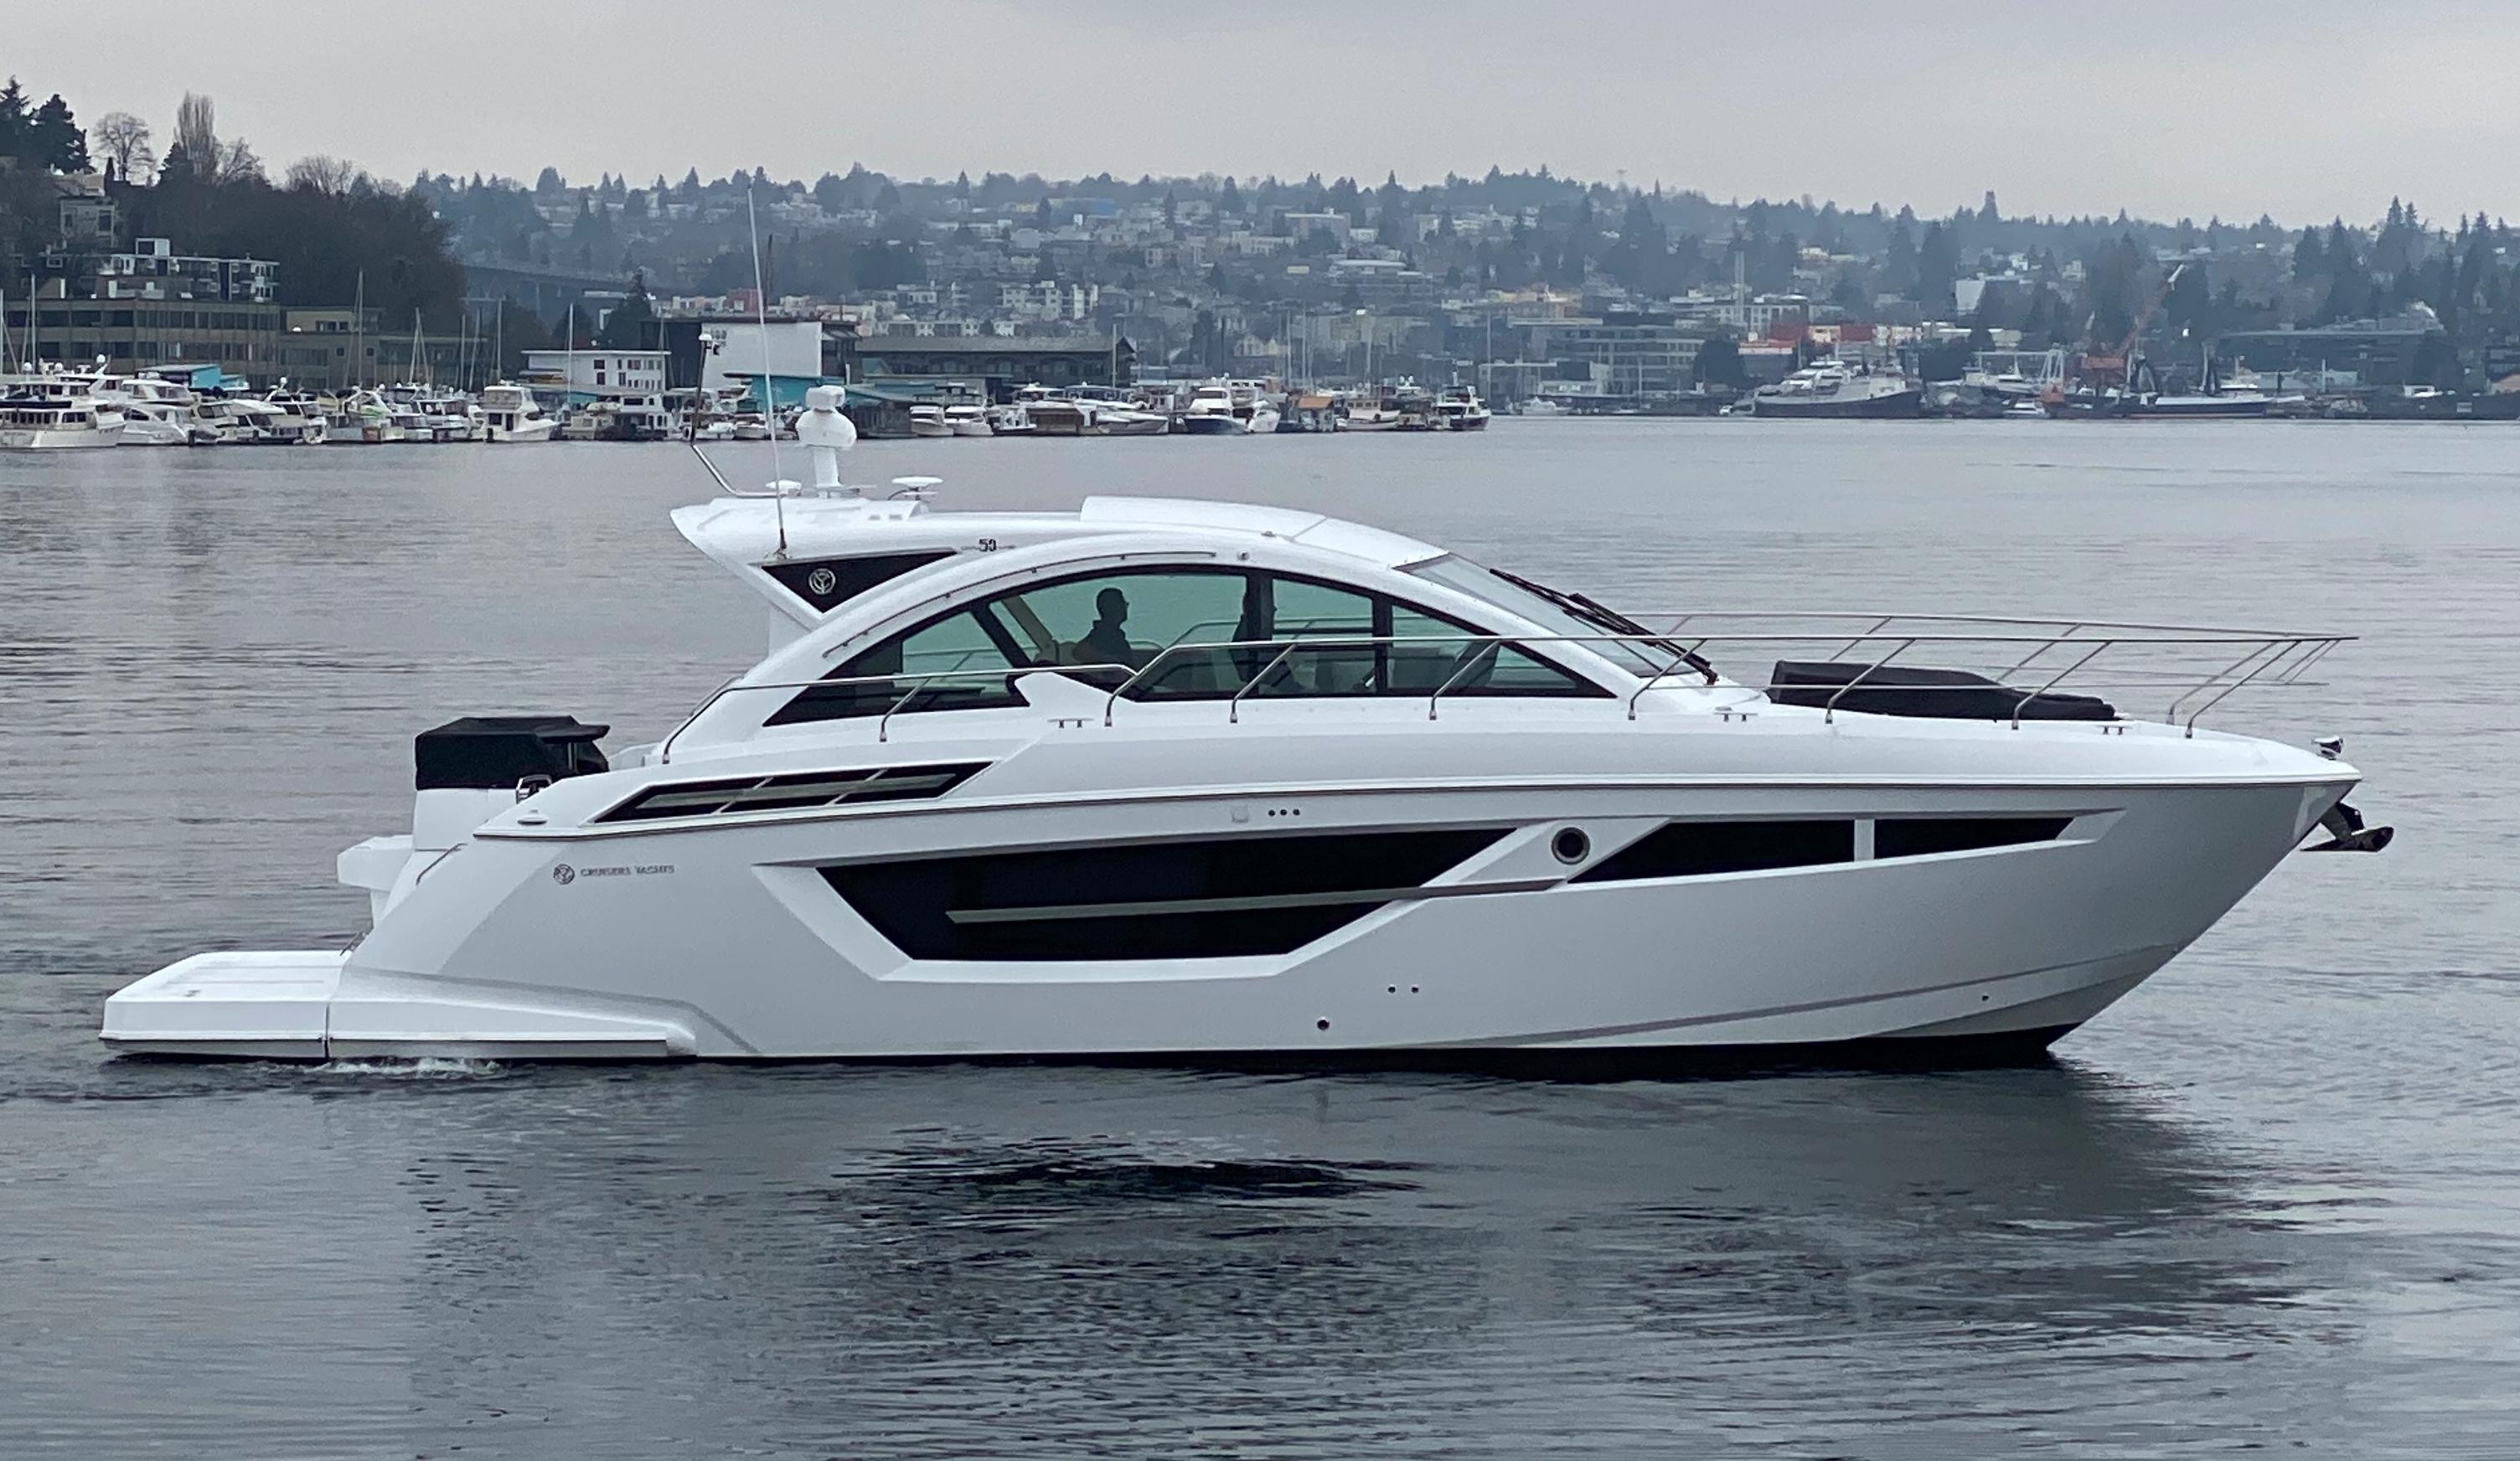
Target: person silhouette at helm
{"x":1107,"y":641}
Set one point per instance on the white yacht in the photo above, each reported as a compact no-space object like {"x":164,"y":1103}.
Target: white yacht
{"x":1460,"y":409}
{"x":967,"y":421}
{"x":163,"y":412}
{"x":1212,"y":413}
{"x":1830,"y":388}
{"x":53,"y":424}
{"x":1198,"y":780}
{"x":245,"y":420}
{"x":929,"y":422}
{"x":510,"y":413}
{"x":362,"y":418}
{"x":157,"y":423}
{"x":1113,"y":411}
{"x":297,"y":417}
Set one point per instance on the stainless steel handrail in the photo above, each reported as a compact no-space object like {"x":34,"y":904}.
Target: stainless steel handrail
{"x":1829,"y":711}
{"x":2093,"y":653}
{"x":2280,"y":659}
{"x":2027,"y":620}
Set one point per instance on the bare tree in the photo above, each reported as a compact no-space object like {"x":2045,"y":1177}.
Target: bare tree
{"x":197,"y":133}
{"x":324,"y":174}
{"x":237,"y":163}
{"x":123,"y":139}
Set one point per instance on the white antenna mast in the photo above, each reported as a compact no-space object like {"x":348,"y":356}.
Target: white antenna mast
{"x":769,"y":401}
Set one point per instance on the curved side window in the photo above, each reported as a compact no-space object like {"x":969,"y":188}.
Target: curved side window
{"x":1179,"y":634}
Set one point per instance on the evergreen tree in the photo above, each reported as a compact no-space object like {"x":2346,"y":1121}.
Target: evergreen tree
{"x":628,"y":325}
{"x":1899,"y":266}
{"x":1719,"y":363}
{"x":13,"y":119}
{"x":1229,"y":198}
{"x":1937,"y":268}
{"x":53,"y":139}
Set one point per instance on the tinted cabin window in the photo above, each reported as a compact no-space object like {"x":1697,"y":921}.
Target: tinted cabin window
{"x":1131,"y":619}
{"x":1220,"y":899}
{"x":828,"y":583}
{"x":1341,"y":618}
{"x":1698,"y":849}
{"x":1295,"y":635}
{"x":965,"y":645}
{"x":1918,"y":836}
{"x":1466,"y":668}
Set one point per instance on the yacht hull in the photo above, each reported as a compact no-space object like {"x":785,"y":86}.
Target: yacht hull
{"x":732,"y":941}
{"x":1897,"y":405}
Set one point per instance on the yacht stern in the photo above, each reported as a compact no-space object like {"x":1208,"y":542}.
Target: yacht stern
{"x":269,"y":1006}
{"x":310,"y":1006}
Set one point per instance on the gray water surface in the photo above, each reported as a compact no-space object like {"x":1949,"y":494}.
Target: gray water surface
{"x":2273,"y":1200}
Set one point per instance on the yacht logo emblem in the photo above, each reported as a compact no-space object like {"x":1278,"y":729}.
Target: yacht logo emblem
{"x":564,"y":874}
{"x":821,"y":581}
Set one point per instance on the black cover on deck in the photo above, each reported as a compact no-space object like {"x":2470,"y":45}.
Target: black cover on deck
{"x":1930,"y":694}
{"x":501,"y":750}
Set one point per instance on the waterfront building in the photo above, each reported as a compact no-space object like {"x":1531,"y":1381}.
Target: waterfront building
{"x":244,"y":339}
{"x":722,"y":352}
{"x":1003,"y":361}
{"x":1631,"y":352}
{"x":581,"y":376}
{"x":154,"y":270}
{"x":2406,"y":350}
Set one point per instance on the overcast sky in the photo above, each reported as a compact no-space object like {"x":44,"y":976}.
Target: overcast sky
{"x":2305,"y":109}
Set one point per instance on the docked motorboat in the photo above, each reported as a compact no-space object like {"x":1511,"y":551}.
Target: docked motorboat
{"x":929,"y":422}
{"x":297,"y":419}
{"x":242,"y":420}
{"x":1053,"y":413}
{"x":164,"y":424}
{"x":1211,"y":411}
{"x":967,"y":421}
{"x":163,"y":413}
{"x":1200,"y":780}
{"x":1460,"y":409}
{"x":1113,"y":411}
{"x":510,"y":413}
{"x":362,"y":418}
{"x":1829,"y":388}
{"x":53,"y":424}
{"x":1230,"y":408}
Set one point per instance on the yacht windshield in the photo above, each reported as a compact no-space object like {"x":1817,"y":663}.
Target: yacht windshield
{"x":1566,"y":613}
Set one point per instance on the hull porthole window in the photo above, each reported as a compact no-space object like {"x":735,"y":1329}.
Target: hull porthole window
{"x":1571,"y":845}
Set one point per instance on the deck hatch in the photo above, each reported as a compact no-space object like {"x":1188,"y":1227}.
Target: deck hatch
{"x":789,"y":792}
{"x":1216,"y":899}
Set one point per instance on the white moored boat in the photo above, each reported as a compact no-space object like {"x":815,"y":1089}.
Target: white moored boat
{"x":510,"y":413}
{"x":1197,"y":780}
{"x":49,"y":424}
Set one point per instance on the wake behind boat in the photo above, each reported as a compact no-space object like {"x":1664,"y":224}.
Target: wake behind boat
{"x":1193,"y":780}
